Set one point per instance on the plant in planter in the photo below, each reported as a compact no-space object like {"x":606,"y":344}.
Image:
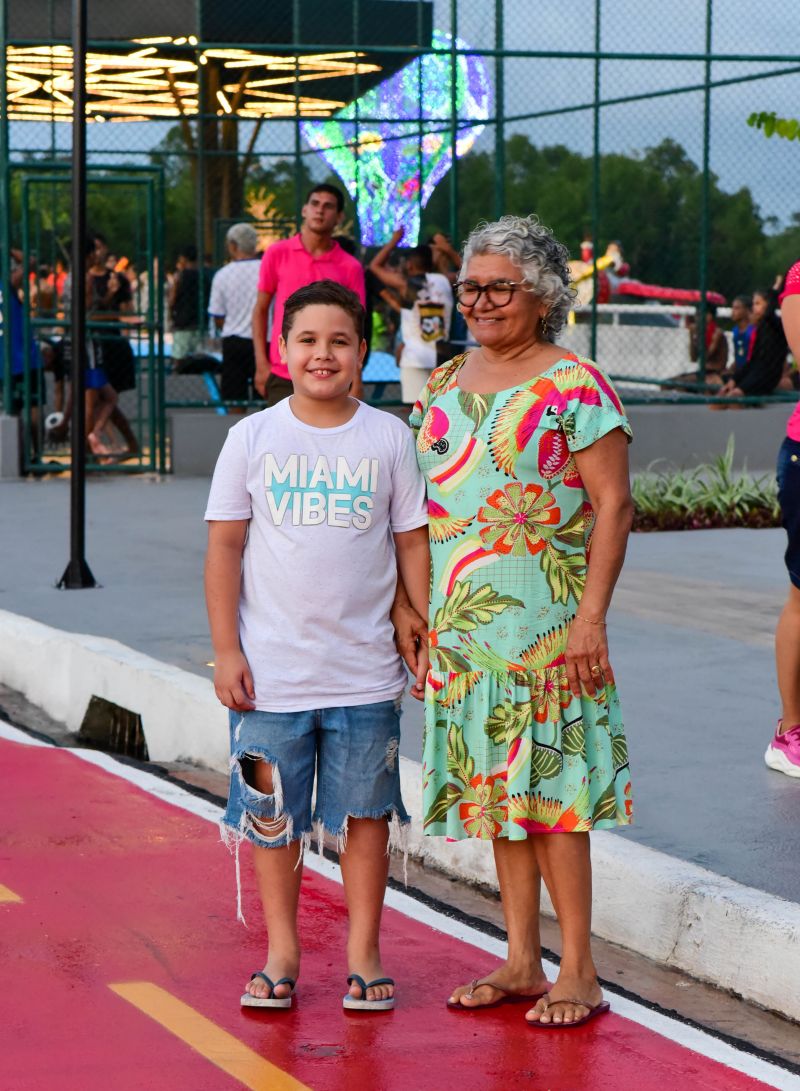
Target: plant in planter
{"x":710,"y":495}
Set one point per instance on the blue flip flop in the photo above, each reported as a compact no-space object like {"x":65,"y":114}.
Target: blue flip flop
{"x":250,"y":1001}
{"x":353,"y":1003}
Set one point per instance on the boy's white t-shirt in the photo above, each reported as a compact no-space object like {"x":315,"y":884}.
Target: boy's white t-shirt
{"x":427,"y":322}
{"x":319,"y":571}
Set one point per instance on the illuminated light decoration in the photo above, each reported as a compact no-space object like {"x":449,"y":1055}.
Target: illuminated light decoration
{"x":146,"y":83}
{"x":389,"y":170}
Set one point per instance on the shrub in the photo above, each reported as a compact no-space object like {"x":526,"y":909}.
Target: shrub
{"x":711,"y":495}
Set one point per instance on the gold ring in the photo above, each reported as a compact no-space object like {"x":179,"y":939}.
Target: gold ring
{"x":597,"y":670}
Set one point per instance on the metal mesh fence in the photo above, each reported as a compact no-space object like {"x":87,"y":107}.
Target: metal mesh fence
{"x":623,"y":127}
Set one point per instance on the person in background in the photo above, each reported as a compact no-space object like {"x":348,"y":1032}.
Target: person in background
{"x":768,"y":348}
{"x":109,"y":298}
{"x":783,"y":752}
{"x":310,"y":255}
{"x":233,"y":295}
{"x":100,"y":397}
{"x":742,"y":331}
{"x":716,"y":344}
{"x":183,"y":301}
{"x":12,"y":319}
{"x":424,"y":300}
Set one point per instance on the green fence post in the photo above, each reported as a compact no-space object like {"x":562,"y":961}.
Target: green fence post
{"x":499,"y":112}
{"x":454,"y":229}
{"x":595,"y":178}
{"x":706,"y":198}
{"x":5,"y":211}
{"x":298,"y":195}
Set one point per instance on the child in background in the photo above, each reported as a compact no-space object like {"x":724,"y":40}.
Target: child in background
{"x":316,"y":505}
{"x":742,"y":332}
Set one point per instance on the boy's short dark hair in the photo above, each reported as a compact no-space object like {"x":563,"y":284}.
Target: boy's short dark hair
{"x":329,"y":294}
{"x":326,"y":187}
{"x":189,"y":251}
{"x":745,"y":300}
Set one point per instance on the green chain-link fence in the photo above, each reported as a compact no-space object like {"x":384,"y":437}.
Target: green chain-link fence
{"x":623,"y":126}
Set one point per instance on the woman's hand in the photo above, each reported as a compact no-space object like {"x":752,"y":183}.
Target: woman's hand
{"x":233,"y":682}
{"x":587,"y":650}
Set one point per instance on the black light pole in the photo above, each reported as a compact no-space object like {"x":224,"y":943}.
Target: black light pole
{"x":77,"y":572}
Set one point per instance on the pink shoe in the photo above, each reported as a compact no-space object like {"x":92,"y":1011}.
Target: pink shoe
{"x":783,"y":753}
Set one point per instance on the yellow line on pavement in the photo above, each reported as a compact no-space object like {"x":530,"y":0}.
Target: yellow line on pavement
{"x":7,"y":895}
{"x":211,"y":1041}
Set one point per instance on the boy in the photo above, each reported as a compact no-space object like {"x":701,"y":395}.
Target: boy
{"x":424,"y":300}
{"x":742,"y":331}
{"x":301,"y":573}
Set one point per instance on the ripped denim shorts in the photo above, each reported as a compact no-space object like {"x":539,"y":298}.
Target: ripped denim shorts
{"x":354,"y":752}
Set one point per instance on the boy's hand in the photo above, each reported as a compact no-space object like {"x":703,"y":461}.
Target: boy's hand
{"x":233,"y":682}
{"x":423,"y":661}
{"x":410,"y":632}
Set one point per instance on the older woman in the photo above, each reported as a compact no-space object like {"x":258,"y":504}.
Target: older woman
{"x":524,"y":450}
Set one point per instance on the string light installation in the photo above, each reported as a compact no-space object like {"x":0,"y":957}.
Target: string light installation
{"x":392,"y":146}
{"x":155,"y":80}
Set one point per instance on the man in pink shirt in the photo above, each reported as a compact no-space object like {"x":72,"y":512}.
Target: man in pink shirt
{"x":311,"y":255}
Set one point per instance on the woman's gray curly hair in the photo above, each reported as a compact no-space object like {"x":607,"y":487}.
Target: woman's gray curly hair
{"x":540,"y":258}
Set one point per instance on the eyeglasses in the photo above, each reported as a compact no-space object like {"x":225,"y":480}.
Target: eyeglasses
{"x":498,"y":292}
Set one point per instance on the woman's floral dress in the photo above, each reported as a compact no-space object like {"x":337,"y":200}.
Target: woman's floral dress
{"x":508,"y":750}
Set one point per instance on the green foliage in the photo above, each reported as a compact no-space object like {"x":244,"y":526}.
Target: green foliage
{"x":711,"y":495}
{"x":788,"y":128}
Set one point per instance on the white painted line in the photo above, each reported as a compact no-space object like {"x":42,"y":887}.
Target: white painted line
{"x":13,"y":734}
{"x":687,"y":1036}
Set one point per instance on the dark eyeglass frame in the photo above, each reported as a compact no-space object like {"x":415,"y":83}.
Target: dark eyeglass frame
{"x":509,"y":286}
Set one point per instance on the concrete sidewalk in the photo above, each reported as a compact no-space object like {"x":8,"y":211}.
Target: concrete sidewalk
{"x":691,"y":635}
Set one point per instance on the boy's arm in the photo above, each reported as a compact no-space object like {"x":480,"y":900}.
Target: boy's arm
{"x":414,"y":574}
{"x":233,"y":680}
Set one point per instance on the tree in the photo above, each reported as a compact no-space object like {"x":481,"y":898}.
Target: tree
{"x":651,"y":203}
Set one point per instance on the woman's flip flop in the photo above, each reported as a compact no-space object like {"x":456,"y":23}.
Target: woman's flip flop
{"x":509,"y":998}
{"x":360,"y":1003}
{"x":598,"y":1009}
{"x":250,"y":1001}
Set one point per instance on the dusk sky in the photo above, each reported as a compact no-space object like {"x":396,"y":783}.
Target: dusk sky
{"x":740,"y":156}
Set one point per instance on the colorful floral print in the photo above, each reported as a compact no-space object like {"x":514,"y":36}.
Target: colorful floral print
{"x":508,"y":750}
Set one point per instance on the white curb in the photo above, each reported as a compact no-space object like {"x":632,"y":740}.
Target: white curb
{"x":669,"y":910}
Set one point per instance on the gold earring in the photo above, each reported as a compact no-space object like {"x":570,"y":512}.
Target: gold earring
{"x":545,"y":328}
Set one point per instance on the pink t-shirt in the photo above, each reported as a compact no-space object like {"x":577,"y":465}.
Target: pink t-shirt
{"x":792,"y":287}
{"x":287,"y":266}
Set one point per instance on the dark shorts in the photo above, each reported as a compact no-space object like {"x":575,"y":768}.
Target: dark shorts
{"x":238,"y":369}
{"x":789,"y":497}
{"x":278,"y":388}
{"x":115,"y":356}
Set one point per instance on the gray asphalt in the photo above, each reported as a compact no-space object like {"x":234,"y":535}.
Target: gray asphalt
{"x":691,"y":642}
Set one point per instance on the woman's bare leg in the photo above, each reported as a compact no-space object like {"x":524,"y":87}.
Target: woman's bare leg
{"x":567,"y":871}
{"x":520,"y":881}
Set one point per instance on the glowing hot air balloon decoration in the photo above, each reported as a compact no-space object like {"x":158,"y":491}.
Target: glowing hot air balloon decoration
{"x":391,"y":167}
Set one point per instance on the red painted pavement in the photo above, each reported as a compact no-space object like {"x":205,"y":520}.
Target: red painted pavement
{"x":120,"y":886}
